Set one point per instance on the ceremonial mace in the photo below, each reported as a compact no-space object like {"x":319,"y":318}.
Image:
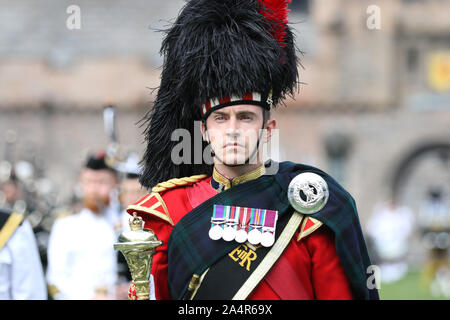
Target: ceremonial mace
{"x":138,"y":246}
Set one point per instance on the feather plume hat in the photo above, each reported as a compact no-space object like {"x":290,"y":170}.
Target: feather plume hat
{"x":217,"y":53}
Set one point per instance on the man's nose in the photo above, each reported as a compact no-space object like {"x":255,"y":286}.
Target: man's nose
{"x":233,"y":126}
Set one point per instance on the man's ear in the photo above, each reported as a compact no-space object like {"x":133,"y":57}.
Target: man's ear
{"x":204,"y":133}
{"x":270,"y":126}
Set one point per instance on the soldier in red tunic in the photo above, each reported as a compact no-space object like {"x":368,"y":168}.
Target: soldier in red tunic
{"x":240,"y":228}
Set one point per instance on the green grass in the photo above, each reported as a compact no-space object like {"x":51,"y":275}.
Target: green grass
{"x":408,"y":288}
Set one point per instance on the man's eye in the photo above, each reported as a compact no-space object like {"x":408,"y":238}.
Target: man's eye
{"x":220,"y":118}
{"x":246,"y":117}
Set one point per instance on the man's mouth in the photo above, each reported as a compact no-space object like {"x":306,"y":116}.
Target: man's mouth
{"x":232,"y":145}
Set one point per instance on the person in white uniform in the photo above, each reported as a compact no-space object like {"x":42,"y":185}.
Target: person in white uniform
{"x":82,"y":263}
{"x":390,"y":227}
{"x":21,"y":273}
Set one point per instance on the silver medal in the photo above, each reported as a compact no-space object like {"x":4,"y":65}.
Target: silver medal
{"x":241,"y":236}
{"x":215,"y":233}
{"x":267,"y":239}
{"x":308,"y":193}
{"x":254,"y":236}
{"x":229,"y":233}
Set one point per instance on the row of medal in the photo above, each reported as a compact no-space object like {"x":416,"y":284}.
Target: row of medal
{"x":241,"y":224}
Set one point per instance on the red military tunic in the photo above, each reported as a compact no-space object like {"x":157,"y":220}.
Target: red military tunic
{"x":309,"y":268}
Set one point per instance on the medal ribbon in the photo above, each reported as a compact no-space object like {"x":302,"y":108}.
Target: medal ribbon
{"x":218,"y":217}
{"x":232,"y":216}
{"x":270,"y":221}
{"x":257,"y":216}
{"x":244,"y":218}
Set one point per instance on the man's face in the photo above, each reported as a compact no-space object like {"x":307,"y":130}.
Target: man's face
{"x":234,"y":132}
{"x":96,"y":186}
{"x":11,"y":191}
{"x":130,"y":191}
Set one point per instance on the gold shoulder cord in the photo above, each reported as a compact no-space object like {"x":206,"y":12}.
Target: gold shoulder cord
{"x":176,"y":182}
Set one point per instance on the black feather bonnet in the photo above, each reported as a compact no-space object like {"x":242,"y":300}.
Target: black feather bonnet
{"x":217,"y":53}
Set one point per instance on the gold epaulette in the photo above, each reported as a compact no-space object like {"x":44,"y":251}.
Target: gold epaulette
{"x":308,"y":226}
{"x":154,"y":204}
{"x":13,"y":222}
{"x":176,"y":182}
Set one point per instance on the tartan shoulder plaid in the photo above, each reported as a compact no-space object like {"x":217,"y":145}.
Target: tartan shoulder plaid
{"x":340,"y":215}
{"x":191,"y":251}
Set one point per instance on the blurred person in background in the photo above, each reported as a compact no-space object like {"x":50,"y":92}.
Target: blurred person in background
{"x":390,"y":228}
{"x":434,"y":222}
{"x":21,"y":274}
{"x":11,"y":191}
{"x":82,"y":263}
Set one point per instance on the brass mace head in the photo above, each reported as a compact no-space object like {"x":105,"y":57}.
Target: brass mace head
{"x":138,"y":246}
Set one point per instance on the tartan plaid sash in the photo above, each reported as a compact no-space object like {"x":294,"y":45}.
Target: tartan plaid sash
{"x":191,"y":251}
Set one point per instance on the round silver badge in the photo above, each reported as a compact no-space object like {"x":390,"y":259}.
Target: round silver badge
{"x":308,"y":193}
